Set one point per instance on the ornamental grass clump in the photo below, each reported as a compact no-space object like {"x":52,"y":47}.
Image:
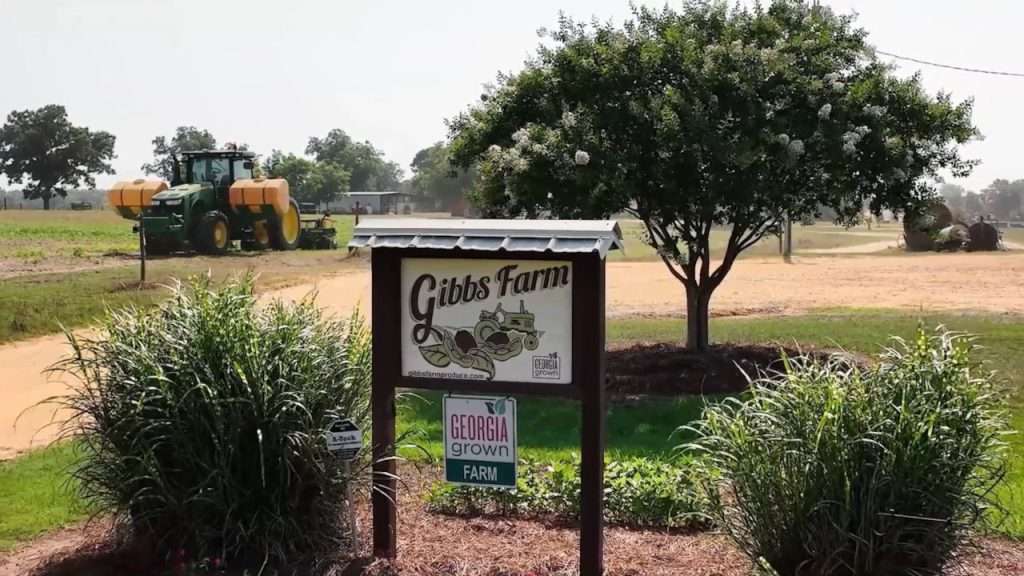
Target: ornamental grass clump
{"x":201,"y":423}
{"x":829,"y":468}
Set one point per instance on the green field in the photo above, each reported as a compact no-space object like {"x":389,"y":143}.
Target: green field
{"x":37,"y":235}
{"x":806,"y":239}
{"x":1013,"y":235}
{"x":74,"y":294}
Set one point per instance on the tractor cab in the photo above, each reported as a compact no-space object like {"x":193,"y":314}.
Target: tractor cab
{"x":218,"y":168}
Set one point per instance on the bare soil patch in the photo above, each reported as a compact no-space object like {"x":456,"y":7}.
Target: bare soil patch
{"x":13,"y":267}
{"x":437,"y":545}
{"x":665,"y":369}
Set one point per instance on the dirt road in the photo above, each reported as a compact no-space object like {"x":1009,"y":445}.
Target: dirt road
{"x":979,"y":282}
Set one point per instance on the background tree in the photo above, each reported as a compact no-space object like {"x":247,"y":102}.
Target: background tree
{"x":185,"y":138}
{"x":295,"y":169}
{"x":42,"y":147}
{"x":707,"y":117}
{"x":1003,"y":198}
{"x":435,"y":179}
{"x":367,"y":168}
{"x":308,"y":181}
{"x":326,"y":182}
{"x":954,"y":196}
{"x":974,"y":206}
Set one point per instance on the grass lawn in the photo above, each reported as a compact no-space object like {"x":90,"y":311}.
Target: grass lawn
{"x":821,"y":236}
{"x":549,"y":429}
{"x":35,"y":496}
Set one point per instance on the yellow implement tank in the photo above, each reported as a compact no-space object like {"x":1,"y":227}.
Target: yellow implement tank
{"x":256,"y":193}
{"x":128,"y":198}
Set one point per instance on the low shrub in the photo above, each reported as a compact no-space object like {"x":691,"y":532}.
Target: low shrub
{"x":638,"y":492}
{"x":832,"y":469}
{"x":201,"y":423}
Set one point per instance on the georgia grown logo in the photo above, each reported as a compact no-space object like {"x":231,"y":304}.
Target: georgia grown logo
{"x":498,"y":334}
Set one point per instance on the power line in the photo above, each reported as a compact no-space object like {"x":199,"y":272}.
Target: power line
{"x":950,"y":67}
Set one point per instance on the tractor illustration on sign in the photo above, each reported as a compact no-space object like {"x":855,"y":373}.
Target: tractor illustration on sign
{"x":502,"y":321}
{"x":497,"y":336}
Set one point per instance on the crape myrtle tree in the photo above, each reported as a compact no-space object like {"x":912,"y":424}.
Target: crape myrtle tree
{"x":43,"y":149}
{"x":708,"y":117}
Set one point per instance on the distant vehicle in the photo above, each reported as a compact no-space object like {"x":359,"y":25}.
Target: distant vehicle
{"x":213,"y":200}
{"x":81,"y":205}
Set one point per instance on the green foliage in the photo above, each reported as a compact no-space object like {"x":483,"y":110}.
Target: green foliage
{"x":367,"y":168}
{"x":185,"y":139}
{"x":437,"y":180}
{"x":326,"y":182}
{"x":638,"y":492}
{"x":44,"y":149}
{"x":828,"y":469}
{"x":201,"y":422}
{"x":308,"y":181}
{"x":709,"y":116}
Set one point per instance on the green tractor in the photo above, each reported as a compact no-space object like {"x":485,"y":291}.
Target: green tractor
{"x":212,"y":201}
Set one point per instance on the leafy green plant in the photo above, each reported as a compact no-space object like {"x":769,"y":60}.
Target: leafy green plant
{"x":638,"y":492}
{"x":828,"y":468}
{"x":202,"y":422}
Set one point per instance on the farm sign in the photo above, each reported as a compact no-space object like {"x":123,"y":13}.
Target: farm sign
{"x":482,"y":319}
{"x":485,"y":310}
{"x":480,"y":441}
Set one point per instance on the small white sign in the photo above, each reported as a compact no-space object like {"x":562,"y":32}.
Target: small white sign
{"x":344,"y":439}
{"x":482,"y":319}
{"x":480,"y":444}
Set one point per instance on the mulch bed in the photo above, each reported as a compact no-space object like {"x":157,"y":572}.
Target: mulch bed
{"x":437,"y":545}
{"x":669,"y":369}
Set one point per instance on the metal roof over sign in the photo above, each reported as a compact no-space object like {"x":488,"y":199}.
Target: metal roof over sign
{"x":557,"y":236}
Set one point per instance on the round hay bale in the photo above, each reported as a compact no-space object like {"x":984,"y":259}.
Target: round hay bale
{"x":984,"y":237}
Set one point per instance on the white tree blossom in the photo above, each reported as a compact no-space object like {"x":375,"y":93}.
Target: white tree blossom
{"x":582,"y":158}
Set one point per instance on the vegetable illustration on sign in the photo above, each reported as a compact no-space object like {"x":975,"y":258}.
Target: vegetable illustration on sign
{"x":497,"y":337}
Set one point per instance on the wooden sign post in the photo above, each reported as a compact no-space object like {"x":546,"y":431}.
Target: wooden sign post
{"x":502,"y":307}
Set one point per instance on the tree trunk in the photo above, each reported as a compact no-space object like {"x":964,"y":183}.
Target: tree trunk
{"x":46,"y":202}
{"x":698,"y":300}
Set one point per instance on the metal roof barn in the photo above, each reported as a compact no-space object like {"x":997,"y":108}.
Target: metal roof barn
{"x":560,"y":236}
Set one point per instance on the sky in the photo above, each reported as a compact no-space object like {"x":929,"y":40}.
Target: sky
{"x":273,"y":73}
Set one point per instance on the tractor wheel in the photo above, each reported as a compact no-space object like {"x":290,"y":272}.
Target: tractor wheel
{"x":531,"y":341}
{"x":285,"y":231}
{"x":213,"y":236}
{"x":260,"y":239}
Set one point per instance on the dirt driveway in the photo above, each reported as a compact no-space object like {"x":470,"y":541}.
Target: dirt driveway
{"x":977,"y":282}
